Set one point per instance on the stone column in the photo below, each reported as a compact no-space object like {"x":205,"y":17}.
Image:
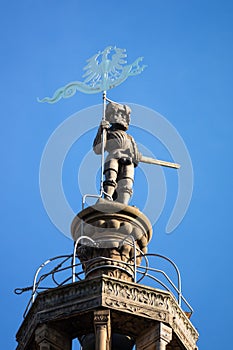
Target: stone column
{"x":102,"y":329}
{"x":160,"y":344}
{"x":48,"y":338}
{"x":156,"y":338}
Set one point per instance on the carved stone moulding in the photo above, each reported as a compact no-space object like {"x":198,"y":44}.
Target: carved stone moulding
{"x":133,"y":309}
{"x":114,"y":231}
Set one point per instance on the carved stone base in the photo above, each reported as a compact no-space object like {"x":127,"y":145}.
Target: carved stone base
{"x":128,"y":310}
{"x":114,"y":231}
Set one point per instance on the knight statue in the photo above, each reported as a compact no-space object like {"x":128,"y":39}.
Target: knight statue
{"x":123,"y":155}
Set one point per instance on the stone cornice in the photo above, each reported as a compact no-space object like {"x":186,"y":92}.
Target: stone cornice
{"x":70,"y":302}
{"x":151,"y":303}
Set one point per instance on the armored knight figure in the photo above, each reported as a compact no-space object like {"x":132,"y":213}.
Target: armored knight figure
{"x":123,"y":155}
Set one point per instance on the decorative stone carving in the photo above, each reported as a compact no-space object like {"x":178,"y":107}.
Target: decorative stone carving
{"x":151,"y":303}
{"x":102,"y":329}
{"x":134,"y":309}
{"x":183,"y":327}
{"x":113,"y":229}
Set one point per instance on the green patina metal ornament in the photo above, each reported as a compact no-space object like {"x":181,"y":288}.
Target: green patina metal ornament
{"x":104,"y":71}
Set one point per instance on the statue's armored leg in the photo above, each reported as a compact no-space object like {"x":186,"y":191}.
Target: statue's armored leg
{"x":110,"y":172}
{"x":110,"y":183}
{"x":124,"y":190}
{"x":125,"y":183}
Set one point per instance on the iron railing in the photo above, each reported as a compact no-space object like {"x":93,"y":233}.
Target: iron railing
{"x":66,"y":270}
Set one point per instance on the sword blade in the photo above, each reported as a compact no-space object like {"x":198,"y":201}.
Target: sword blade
{"x":150,"y":160}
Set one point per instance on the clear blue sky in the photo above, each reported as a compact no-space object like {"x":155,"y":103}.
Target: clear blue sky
{"x":188,"y":47}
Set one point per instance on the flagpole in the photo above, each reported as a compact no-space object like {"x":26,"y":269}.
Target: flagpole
{"x":102,"y":146}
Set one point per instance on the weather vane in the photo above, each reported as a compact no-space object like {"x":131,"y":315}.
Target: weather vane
{"x":104,"y":71}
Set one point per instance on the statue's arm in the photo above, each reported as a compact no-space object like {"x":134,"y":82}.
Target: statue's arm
{"x":97,"y":144}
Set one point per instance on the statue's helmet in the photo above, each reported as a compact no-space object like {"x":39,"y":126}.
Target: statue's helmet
{"x":117,"y":113}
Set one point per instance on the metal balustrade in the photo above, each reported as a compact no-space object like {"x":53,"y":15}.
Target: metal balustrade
{"x":66,"y":271}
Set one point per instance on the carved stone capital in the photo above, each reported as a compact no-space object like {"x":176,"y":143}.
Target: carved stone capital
{"x":102,"y":317}
{"x":102,"y":329}
{"x":113,"y":229}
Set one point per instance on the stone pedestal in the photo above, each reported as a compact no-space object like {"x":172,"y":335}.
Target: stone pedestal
{"x":114,"y":231}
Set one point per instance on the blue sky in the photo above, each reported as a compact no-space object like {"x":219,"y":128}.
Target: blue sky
{"x":188,"y":48}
